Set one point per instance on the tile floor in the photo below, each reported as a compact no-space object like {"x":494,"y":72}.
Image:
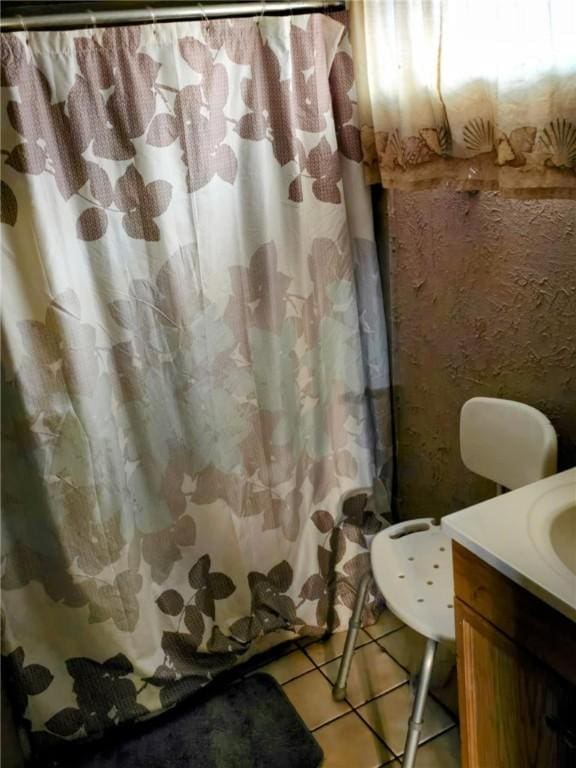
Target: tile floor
{"x":368,"y":729}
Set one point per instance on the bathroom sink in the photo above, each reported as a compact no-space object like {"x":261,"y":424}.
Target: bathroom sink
{"x":529,"y":535}
{"x":563,"y":536}
{"x":552,"y":528}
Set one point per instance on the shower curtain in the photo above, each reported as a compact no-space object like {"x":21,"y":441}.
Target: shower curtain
{"x":195,"y":382}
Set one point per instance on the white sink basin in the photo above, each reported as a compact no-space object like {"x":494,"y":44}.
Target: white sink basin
{"x":552,"y":528}
{"x":529,"y":535}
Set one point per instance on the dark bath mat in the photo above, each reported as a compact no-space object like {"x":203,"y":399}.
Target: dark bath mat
{"x":250,"y":724}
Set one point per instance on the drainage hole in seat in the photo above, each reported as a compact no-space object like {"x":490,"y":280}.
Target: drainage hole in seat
{"x":401,"y":576}
{"x":420,"y":600}
{"x":442,"y":549}
{"x":436,"y":566}
{"x":410,"y":558}
{"x":449,"y":605}
{"x":429,"y":582}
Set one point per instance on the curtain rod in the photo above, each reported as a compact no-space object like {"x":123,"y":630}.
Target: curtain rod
{"x":87,"y":19}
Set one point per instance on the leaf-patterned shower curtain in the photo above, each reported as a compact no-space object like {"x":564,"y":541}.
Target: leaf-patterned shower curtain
{"x":195,"y":383}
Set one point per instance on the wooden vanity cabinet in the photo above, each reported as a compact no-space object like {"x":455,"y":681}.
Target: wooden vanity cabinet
{"x":516,"y":672}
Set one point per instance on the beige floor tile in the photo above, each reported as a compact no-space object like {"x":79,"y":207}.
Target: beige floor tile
{"x":277,"y":643}
{"x":441,"y":752}
{"x":388,"y":716}
{"x":311,"y":695}
{"x":386,"y":623}
{"x":258,"y":660}
{"x":372,"y":673}
{"x":288,"y":667}
{"x":324,"y":651}
{"x":407,"y":647}
{"x":349,"y":743}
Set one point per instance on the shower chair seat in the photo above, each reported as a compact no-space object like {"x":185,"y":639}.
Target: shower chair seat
{"x":507,"y":442}
{"x":414,"y":560}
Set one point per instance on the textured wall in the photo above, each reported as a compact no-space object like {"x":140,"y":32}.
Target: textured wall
{"x":483,"y":302}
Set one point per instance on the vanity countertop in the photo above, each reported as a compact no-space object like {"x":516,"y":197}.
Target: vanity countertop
{"x":512,"y":533}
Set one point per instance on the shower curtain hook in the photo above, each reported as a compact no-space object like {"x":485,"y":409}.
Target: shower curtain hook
{"x":203,"y":12}
{"x":92,"y":17}
{"x":24,"y":27}
{"x":153,"y":17}
{"x":262,"y":13}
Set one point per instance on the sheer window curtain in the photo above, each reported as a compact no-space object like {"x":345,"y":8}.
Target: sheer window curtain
{"x":475,"y":94}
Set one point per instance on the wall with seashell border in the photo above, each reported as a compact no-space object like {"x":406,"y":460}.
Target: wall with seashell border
{"x":482,"y":301}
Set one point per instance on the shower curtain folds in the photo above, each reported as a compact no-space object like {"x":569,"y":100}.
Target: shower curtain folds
{"x":195,"y":381}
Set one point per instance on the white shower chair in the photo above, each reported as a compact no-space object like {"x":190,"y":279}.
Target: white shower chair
{"x":510,"y":443}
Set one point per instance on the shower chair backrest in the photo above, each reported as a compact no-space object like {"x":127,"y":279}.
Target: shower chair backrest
{"x":510,"y":443}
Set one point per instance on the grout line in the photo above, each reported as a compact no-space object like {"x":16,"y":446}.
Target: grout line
{"x":429,"y":740}
{"x":329,"y":722}
{"x":394,"y":757}
{"x":384,"y":651}
{"x":364,"y":629}
{"x":437,"y":735}
{"x":291,"y":679}
{"x":379,"y":696}
{"x":339,"y":656}
{"x":387,"y":634}
{"x":358,"y":648}
{"x":354,"y":708}
{"x":455,"y":717}
{"x":431,"y":695}
{"x":389,"y":763}
{"x":308,"y":655}
{"x":364,"y":723}
{"x":378,"y":736}
{"x":388,"y":747}
{"x":382,"y":695}
{"x":268,"y":662}
{"x":405,"y":668}
{"x":442,"y":733}
{"x":409,"y":673}
{"x":267,"y":657}
{"x":321,"y":670}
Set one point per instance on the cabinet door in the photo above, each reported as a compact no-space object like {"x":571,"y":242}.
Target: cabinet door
{"x":514,"y":713}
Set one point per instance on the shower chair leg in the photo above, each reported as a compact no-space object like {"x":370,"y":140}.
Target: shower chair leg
{"x":417,"y":716}
{"x":339,"y":690}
